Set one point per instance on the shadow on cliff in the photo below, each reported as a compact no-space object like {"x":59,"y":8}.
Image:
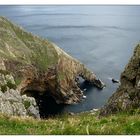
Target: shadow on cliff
{"x":47,"y":105}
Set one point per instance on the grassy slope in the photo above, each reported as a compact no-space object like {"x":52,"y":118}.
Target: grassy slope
{"x":26,"y":48}
{"x":81,"y":124}
{"x":19,"y":45}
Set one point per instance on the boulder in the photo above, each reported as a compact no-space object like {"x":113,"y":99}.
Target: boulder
{"x":12,"y":103}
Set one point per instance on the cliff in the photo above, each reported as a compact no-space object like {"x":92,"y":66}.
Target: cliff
{"x":127,"y":96}
{"x":38,"y":66}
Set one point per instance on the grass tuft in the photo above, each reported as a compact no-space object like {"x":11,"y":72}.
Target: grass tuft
{"x":80,"y":124}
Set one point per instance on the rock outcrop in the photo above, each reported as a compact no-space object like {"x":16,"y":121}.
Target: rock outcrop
{"x":127,"y":96}
{"x":11,"y":102}
{"x":39,"y":66}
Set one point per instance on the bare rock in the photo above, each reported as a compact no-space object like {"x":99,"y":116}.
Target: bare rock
{"x":115,"y":80}
{"x":13,"y":103}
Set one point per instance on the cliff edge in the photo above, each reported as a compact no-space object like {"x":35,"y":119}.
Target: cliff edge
{"x":127,"y":96}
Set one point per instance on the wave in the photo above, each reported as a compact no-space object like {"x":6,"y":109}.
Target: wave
{"x":51,"y":14}
{"x":95,"y":27}
{"x":73,"y":14}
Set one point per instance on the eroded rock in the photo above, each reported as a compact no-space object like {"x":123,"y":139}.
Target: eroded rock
{"x":12,"y":103}
{"x":127,"y":96}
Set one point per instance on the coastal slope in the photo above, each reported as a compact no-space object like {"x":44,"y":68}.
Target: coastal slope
{"x":38,"y":66}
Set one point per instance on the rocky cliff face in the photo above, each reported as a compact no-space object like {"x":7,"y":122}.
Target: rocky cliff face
{"x":39,"y":66}
{"x":11,"y":102}
{"x":127,"y":96}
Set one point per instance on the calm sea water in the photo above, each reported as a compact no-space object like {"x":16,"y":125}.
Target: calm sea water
{"x":102,"y":37}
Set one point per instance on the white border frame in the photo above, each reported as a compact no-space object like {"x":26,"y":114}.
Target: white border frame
{"x":69,"y":2}
{"x":64,"y":2}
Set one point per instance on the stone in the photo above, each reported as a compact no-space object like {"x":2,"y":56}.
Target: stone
{"x":33,"y":111}
{"x":115,"y":80}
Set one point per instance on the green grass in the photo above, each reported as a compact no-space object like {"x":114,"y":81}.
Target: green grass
{"x":80,"y":124}
{"x":27,"y":104}
{"x":8,"y":84}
